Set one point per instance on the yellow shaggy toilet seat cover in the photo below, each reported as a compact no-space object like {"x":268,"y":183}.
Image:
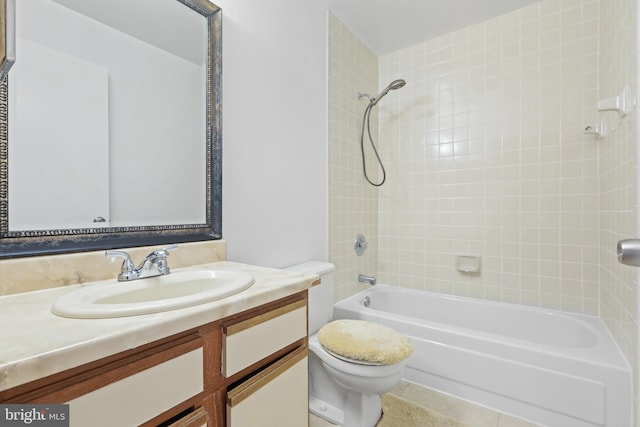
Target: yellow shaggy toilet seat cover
{"x":365,"y":341}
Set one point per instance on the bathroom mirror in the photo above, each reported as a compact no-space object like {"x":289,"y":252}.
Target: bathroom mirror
{"x":7,"y":36}
{"x":110,"y":126}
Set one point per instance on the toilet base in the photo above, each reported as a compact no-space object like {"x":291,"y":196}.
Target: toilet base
{"x":361,"y":410}
{"x":326,"y":411}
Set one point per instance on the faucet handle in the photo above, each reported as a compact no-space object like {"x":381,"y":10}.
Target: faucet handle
{"x":128,"y":268}
{"x":164,"y":252}
{"x":159,"y":258}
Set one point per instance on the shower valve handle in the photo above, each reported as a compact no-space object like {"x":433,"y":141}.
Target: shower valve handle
{"x":361,"y":244}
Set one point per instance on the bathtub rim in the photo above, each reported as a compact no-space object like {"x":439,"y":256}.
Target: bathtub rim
{"x":605,"y":352}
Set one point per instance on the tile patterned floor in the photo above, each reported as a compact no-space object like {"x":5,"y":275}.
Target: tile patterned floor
{"x":461,"y":410}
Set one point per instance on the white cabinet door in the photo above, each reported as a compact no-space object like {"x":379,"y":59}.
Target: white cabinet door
{"x":247,"y":342}
{"x":276,"y":396}
{"x":140,"y":397}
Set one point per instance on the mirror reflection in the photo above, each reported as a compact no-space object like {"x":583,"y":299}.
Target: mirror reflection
{"x":112,"y":118}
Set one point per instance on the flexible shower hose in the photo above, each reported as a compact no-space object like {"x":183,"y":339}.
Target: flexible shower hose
{"x":366,"y":123}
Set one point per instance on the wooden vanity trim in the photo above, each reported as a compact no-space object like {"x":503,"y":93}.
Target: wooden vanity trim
{"x":197,"y":418}
{"x":255,"y":383}
{"x":194,"y":402}
{"x":231,"y":329}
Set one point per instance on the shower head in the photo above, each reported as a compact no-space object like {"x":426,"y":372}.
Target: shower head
{"x":396,"y":84}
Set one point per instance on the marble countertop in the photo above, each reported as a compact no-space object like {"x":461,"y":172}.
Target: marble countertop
{"x":35,"y":343}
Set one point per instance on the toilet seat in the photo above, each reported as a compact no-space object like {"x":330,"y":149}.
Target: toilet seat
{"x":364,"y":342}
{"x":358,"y":369}
{"x":350,"y":360}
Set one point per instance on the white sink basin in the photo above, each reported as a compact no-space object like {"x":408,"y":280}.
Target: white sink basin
{"x":151,"y":295}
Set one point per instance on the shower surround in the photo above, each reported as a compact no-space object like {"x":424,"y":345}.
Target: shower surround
{"x":485,"y":154}
{"x":489,"y":157}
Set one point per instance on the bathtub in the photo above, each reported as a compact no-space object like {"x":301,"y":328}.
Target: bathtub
{"x":549,"y":367}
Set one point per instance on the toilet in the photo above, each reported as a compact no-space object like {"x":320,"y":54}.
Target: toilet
{"x":342,"y":389}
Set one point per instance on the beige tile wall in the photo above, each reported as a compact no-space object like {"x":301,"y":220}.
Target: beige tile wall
{"x":487,"y":155}
{"x":353,"y":204}
{"x":618,"y":201}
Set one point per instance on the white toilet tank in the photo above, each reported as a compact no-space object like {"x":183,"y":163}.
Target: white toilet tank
{"x":320,"y":296}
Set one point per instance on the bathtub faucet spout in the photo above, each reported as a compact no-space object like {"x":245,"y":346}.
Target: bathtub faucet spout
{"x":367,"y":279}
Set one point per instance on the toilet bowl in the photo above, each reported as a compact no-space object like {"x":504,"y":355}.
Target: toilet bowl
{"x":348,"y":393}
{"x":357,"y":375}
{"x":342,"y":390}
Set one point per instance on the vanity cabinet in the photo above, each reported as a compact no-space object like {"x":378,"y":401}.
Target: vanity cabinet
{"x":249,"y":369}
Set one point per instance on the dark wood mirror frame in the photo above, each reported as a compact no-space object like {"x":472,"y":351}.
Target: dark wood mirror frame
{"x":42,"y":242}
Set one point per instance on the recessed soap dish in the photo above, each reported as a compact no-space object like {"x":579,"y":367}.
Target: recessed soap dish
{"x":468,"y":263}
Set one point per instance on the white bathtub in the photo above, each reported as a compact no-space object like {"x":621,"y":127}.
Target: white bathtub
{"x":550,"y":367}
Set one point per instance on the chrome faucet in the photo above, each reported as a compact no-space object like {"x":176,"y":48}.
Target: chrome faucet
{"x":155,"y":264}
{"x":367,"y":279}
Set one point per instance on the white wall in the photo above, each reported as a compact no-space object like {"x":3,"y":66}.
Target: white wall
{"x":274,"y":131}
